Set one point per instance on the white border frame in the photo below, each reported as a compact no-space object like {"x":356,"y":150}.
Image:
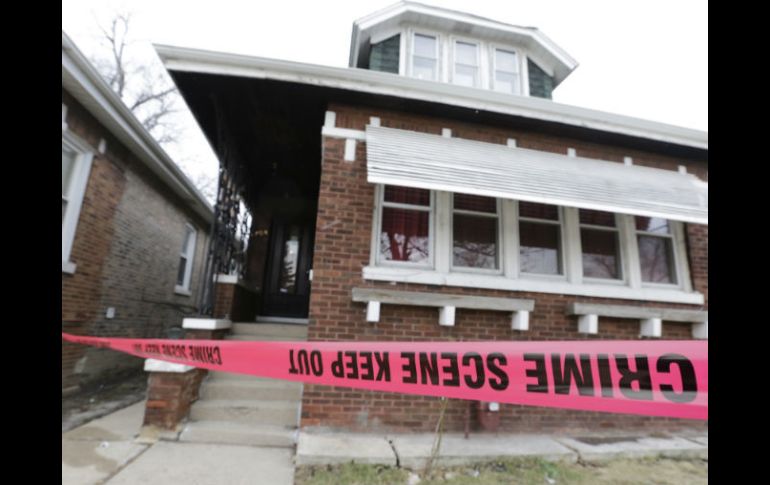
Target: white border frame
{"x":498,"y":215}
{"x":481,"y":80}
{"x":440,"y":50}
{"x":184,"y":289}
{"x":379,"y":204}
{"x":81,"y":172}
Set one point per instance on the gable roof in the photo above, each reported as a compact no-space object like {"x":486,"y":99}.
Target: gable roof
{"x":86,"y":85}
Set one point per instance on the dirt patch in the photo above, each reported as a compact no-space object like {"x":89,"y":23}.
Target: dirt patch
{"x":659,"y":471}
{"x":81,"y":408}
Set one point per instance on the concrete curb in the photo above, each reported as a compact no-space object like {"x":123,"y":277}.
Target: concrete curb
{"x":413,"y":450}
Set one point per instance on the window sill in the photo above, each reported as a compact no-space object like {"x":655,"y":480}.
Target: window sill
{"x":182,"y":291}
{"x":68,"y":267}
{"x":467,"y":280}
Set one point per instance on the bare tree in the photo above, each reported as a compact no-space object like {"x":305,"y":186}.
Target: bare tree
{"x":147,"y":93}
{"x":150,"y":95}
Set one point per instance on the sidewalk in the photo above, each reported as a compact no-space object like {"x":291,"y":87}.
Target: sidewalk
{"x":107,"y":451}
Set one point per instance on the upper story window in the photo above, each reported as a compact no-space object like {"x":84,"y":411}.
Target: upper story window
{"x":76,"y":159}
{"x":540,"y":238}
{"x":425,"y":57}
{"x":506,"y":77}
{"x":186,"y":256}
{"x":466,"y":64}
{"x":656,"y":250}
{"x":600,"y":244}
{"x":475,"y":234}
{"x":405,"y":230}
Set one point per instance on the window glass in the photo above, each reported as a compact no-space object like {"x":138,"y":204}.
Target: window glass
{"x":67,"y":166}
{"x":425,"y":46}
{"x":540,"y":248}
{"x":407,"y":195}
{"x":600,"y":253}
{"x":505,"y":61}
{"x":656,"y":258}
{"x":466,"y":64}
{"x":181,"y":271}
{"x":652,"y":224}
{"x":506,"y":77}
{"x":404,"y":235}
{"x":425,"y":57}
{"x":532,"y":210}
{"x":475,"y":232}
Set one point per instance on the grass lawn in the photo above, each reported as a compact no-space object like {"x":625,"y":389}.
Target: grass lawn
{"x":524,"y":471}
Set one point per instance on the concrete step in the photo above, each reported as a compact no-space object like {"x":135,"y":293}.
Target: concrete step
{"x":265,"y":338}
{"x":270,"y":330}
{"x":251,"y":390}
{"x":281,"y":413}
{"x":224,"y":432}
{"x":217,"y":376}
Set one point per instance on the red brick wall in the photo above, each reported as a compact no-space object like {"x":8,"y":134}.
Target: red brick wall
{"x":126,"y":248}
{"x":342,"y":245}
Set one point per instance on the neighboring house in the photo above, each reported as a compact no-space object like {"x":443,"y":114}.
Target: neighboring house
{"x":134,"y":228}
{"x":435,"y":165}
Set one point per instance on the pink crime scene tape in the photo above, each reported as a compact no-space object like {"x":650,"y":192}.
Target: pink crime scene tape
{"x":652,"y":378}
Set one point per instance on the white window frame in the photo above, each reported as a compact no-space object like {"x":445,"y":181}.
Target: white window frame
{"x":189,"y":254}
{"x":618,"y":228}
{"x":440,"y":63}
{"x":453,"y":71}
{"x":81,"y":171}
{"x":493,"y":48}
{"x":498,"y":215}
{"x":380,"y":203}
{"x":679,"y":260}
{"x":441,"y":270}
{"x":563,"y":247}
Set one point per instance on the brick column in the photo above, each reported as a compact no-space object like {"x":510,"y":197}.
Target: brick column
{"x":172,"y":388}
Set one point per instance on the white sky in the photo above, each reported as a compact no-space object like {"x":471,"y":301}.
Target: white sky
{"x":644,"y":59}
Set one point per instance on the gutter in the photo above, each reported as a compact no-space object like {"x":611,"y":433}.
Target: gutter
{"x":362,"y":80}
{"x":87,"y":86}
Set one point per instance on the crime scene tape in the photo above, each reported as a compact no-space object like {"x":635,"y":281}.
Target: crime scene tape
{"x":651,"y":378}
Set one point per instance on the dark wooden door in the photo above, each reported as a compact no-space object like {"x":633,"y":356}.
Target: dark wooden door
{"x":287,"y":286}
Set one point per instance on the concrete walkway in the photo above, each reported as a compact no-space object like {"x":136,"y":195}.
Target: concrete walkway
{"x":109,"y":451}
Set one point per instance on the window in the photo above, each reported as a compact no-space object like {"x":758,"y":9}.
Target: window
{"x":76,"y":159}
{"x":656,"y":250}
{"x":600,"y":244}
{"x":475,"y":238}
{"x":466,"y":67}
{"x":540,"y":238}
{"x":441,"y":238}
{"x":186,"y":256}
{"x":506,"y":72}
{"x":405,"y":226}
{"x":425,"y":57}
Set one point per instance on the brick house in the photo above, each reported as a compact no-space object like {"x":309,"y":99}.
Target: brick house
{"x":436,"y":164}
{"x":134,"y":228}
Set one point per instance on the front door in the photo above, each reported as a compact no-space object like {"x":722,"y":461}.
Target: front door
{"x":287,"y":285}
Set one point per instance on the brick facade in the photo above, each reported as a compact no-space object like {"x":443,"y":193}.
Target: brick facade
{"x":342,"y":246}
{"x":126,"y":248}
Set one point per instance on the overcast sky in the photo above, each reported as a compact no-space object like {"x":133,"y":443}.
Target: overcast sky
{"x":647,"y":59}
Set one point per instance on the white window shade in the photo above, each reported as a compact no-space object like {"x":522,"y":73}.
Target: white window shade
{"x":412,"y":159}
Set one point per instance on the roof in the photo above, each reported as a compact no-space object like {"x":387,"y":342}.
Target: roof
{"x":86,"y":85}
{"x":382,"y":83}
{"x":451,"y":20}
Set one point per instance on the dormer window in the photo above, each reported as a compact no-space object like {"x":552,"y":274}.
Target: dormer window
{"x":425,"y":57}
{"x":506,"y":72}
{"x":466,"y":64}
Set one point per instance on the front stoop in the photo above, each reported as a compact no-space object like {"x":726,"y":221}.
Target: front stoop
{"x":239,"y":409}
